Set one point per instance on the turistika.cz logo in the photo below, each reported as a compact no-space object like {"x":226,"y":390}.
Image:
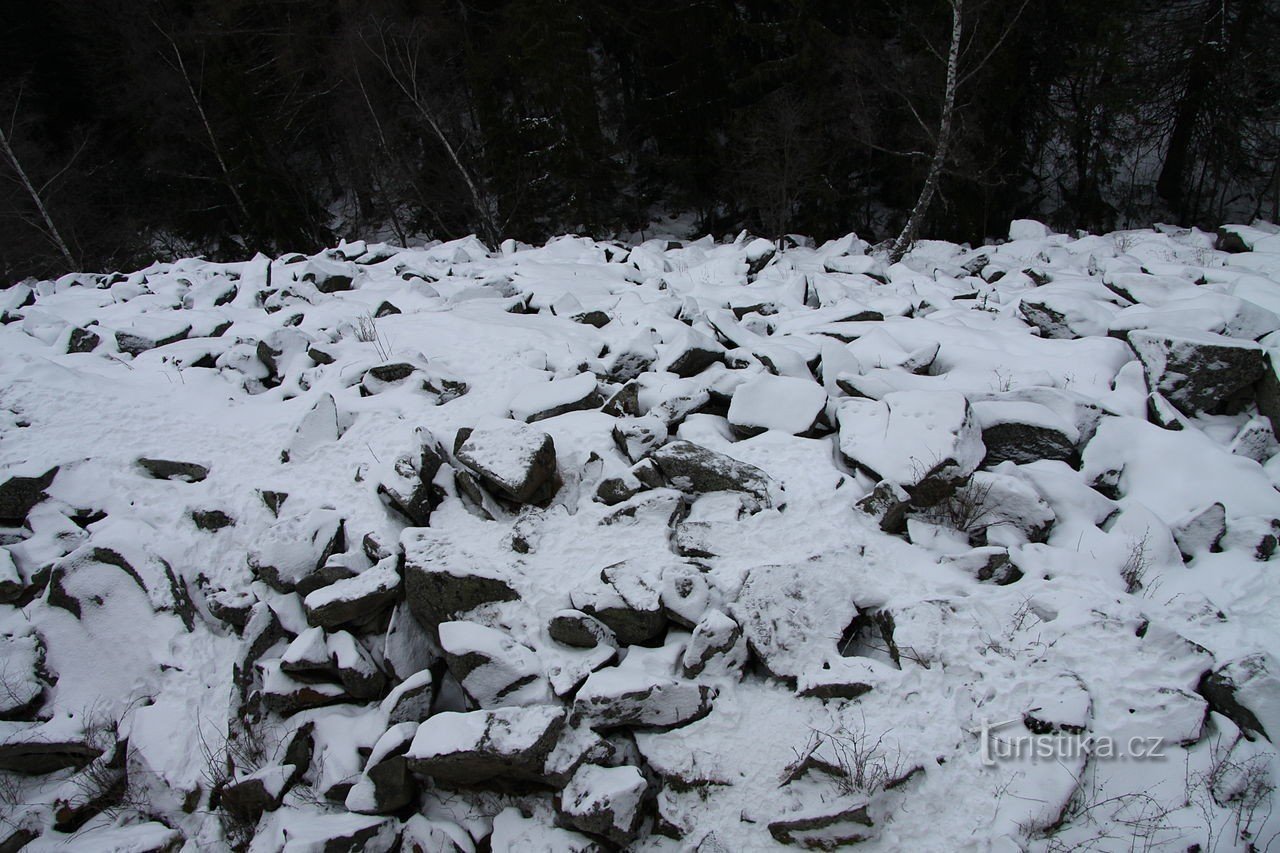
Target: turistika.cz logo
{"x":1059,"y":746}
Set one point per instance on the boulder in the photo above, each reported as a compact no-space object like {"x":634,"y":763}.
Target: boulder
{"x":783,"y":403}
{"x":928,"y":442}
{"x":341,"y":832}
{"x":471,"y":748}
{"x":1201,"y":532}
{"x":386,"y":785}
{"x":356,"y":599}
{"x":11,"y":583}
{"x":1023,"y":432}
{"x":33,"y":749}
{"x":493,"y":669}
{"x":410,"y":700}
{"x":292,"y":554}
{"x":246,"y":797}
{"x":717,"y":648}
{"x":688,"y":353}
{"x":547,"y":400}
{"x":1197,"y":372}
{"x":617,"y":698}
{"x":443,"y":579}
{"x":628,"y":604}
{"x":409,"y":487}
{"x":518,"y":461}
{"x":1247,"y":691}
{"x":20,"y":492}
{"x":692,"y":468}
{"x":579,"y":630}
{"x":605,"y":801}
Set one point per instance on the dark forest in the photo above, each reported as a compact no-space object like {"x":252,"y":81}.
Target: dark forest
{"x":140,"y":130}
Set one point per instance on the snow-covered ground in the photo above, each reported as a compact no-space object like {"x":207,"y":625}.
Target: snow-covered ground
{"x":714,"y":547}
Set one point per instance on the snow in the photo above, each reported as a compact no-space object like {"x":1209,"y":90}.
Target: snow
{"x":538,"y":399}
{"x":1108,"y":626}
{"x":777,"y":402}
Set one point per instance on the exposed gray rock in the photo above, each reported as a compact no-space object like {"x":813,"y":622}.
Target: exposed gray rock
{"x":1246,"y":691}
{"x":443,"y":580}
{"x":1201,"y":532}
{"x":717,"y":648}
{"x":692,"y":468}
{"x":355,"y":599}
{"x":1197,"y":372}
{"x":167,"y":469}
{"x":827,"y":827}
{"x":493,"y":669}
{"x":292,"y":554}
{"x":409,"y":488}
{"x":20,"y":492}
{"x":616,"y":698}
{"x":577,"y":629}
{"x":517,"y":460}
{"x":247,"y":797}
{"x":605,"y":801}
{"x":471,"y":748}
{"x":628,"y":603}
{"x":25,"y":748}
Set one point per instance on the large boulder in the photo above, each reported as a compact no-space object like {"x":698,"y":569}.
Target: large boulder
{"x":605,"y":801}
{"x":620,"y":697}
{"x":928,"y":442}
{"x":1197,"y":371}
{"x":692,"y":468}
{"x":470,"y":748}
{"x":493,"y":669}
{"x":444,"y":580}
{"x":770,"y":402}
{"x":516,"y":460}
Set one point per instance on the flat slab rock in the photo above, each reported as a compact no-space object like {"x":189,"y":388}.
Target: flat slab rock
{"x":776,"y":402}
{"x":826,"y":828}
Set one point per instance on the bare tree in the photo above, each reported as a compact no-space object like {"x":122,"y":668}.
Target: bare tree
{"x":946,"y":120}
{"x":45,"y":225}
{"x":401,"y":58}
{"x":180,"y":65}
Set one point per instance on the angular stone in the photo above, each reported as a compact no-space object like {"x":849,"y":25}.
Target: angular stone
{"x":1195,"y":371}
{"x":616,"y":698}
{"x":442,"y":580}
{"x":471,"y":748}
{"x":827,"y":827}
{"x":18,"y":494}
{"x":166,"y":469}
{"x":579,"y":630}
{"x":356,"y":599}
{"x":605,"y":801}
{"x":692,"y":468}
{"x":517,"y":460}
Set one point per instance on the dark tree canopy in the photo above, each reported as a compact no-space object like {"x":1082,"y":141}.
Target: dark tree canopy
{"x":151,"y":128}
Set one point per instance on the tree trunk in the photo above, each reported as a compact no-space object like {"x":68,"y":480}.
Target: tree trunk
{"x":908,"y":235}
{"x":51,"y":230}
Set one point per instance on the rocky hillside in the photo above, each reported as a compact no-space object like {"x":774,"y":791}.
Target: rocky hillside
{"x":714,"y":547}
